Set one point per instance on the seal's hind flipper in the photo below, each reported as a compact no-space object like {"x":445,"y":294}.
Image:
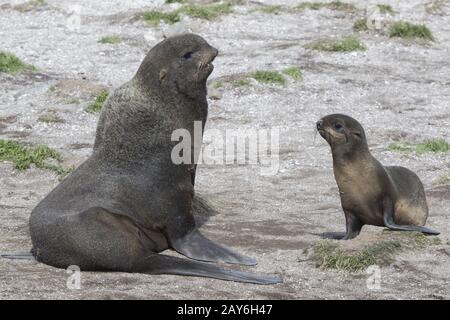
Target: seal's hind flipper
{"x":424,"y":230}
{"x":18,"y":256}
{"x":196,"y":246}
{"x":161,"y":264}
{"x":389,"y":223}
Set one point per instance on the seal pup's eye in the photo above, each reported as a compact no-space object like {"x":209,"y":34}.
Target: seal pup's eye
{"x":337,"y":126}
{"x":188,"y":55}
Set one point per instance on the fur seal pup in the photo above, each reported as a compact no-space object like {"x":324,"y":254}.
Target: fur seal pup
{"x":128,"y":202}
{"x":371,"y":193}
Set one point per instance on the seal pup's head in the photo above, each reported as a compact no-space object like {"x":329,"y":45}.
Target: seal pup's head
{"x":343,"y":133}
{"x":180,"y":64}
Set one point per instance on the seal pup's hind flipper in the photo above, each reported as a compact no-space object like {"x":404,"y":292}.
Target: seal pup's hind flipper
{"x":389,"y":223}
{"x":18,"y":256}
{"x":196,"y":246}
{"x":161,"y":264}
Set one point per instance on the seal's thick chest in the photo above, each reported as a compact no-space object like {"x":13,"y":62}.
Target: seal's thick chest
{"x":360,"y":192}
{"x":357,"y":184}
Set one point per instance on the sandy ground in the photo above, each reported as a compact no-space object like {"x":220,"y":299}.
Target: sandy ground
{"x":397,"y":89}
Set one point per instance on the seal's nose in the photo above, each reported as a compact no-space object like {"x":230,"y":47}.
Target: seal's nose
{"x":215,"y":52}
{"x":319,"y":125}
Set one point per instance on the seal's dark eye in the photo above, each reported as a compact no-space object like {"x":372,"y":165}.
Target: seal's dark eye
{"x":337,"y":126}
{"x":188,"y":55}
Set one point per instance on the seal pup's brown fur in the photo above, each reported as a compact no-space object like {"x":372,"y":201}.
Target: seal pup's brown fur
{"x":371,"y":193}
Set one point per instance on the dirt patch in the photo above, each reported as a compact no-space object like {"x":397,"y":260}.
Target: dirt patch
{"x":441,"y":192}
{"x":78,"y":146}
{"x":9,"y":119}
{"x":16,"y":134}
{"x":75,"y":88}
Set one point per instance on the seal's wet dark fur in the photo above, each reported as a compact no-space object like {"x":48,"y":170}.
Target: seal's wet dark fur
{"x":129,"y":201}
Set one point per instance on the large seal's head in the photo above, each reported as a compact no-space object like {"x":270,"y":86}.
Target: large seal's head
{"x":181,"y":63}
{"x":343,"y":133}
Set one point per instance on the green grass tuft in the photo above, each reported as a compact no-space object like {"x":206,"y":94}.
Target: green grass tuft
{"x":9,"y":63}
{"x":360,"y":25}
{"x":436,"y":145}
{"x":414,"y":239}
{"x":72,"y":101}
{"x":404,"y":29}
{"x":61,"y":171}
{"x":294,"y":73}
{"x":347,"y":44}
{"x":110,"y":40}
{"x":174,"y":1}
{"x":334,"y":5}
{"x":272,"y":9}
{"x":154,"y":17}
{"x":43,"y":157}
{"x":444,"y":179}
{"x":436,"y":6}
{"x":272,"y":77}
{"x":400,"y":146}
{"x":435,"y":241}
{"x":98,"y":103}
{"x":327,"y":255}
{"x":241,"y":83}
{"x":23,"y":157}
{"x":385,"y":8}
{"x":341,"y":6}
{"x":50,"y":117}
{"x":217,"y":84}
{"x":30,"y":5}
{"x":206,"y":12}
{"x":309,"y":6}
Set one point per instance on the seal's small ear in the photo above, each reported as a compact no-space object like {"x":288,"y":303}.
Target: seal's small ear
{"x":162,"y":75}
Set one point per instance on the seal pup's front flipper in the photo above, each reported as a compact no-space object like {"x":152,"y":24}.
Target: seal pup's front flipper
{"x":353,"y":225}
{"x":196,"y":246}
{"x":161,"y":264}
{"x":333,"y":235}
{"x":389,"y":223}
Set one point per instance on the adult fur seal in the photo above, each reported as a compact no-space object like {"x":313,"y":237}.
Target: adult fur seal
{"x":128,"y":202}
{"x":371,"y":193}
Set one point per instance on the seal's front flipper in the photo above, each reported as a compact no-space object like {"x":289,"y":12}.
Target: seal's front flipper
{"x":18,"y":256}
{"x":196,"y":246}
{"x":389,"y":223}
{"x":333,"y":235}
{"x":161,"y":264}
